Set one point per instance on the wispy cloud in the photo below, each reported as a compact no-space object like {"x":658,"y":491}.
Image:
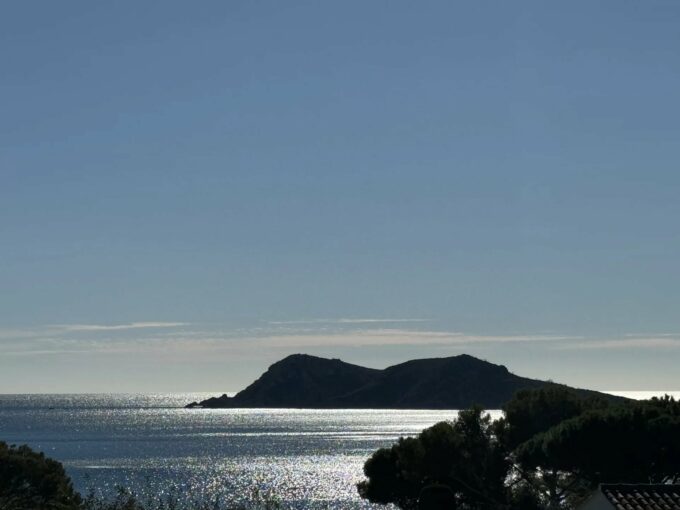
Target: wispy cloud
{"x":62,"y":329}
{"x":377,"y":337}
{"x":659,"y":342}
{"x":347,"y":321}
{"x":119,"y":327}
{"x":16,"y":333}
{"x":144,"y":337}
{"x":156,"y":336}
{"x":651,"y":335}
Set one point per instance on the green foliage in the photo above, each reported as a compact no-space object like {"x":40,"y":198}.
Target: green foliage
{"x":462,"y":455}
{"x":667,"y":404}
{"x":549,"y":451}
{"x":634,"y":443}
{"x":173,"y":499}
{"x":437,"y":497}
{"x":534,"y":411}
{"x":523,"y":496}
{"x":31,"y":481}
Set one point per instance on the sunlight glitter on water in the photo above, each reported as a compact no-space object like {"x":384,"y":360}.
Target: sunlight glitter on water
{"x":310,"y":458}
{"x":645,"y":395}
{"x":307,"y":457}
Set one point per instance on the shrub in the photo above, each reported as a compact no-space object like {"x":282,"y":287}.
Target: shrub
{"x":29,"y":480}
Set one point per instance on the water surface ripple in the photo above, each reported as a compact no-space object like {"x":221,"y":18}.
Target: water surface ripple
{"x":309,"y":458}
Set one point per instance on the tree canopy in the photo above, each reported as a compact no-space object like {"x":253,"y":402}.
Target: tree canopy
{"x":549,"y":451}
{"x":461,"y":455}
{"x":30,"y":480}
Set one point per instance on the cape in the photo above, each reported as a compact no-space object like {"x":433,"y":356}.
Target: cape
{"x":458,"y":382}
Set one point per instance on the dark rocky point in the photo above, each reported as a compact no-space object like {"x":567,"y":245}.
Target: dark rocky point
{"x":303,"y":381}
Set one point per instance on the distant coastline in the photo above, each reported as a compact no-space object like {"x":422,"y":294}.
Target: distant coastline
{"x":175,"y":400}
{"x":457,"y":382}
{"x":643,"y":394}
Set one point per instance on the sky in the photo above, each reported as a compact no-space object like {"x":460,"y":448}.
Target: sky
{"x":190,"y":192}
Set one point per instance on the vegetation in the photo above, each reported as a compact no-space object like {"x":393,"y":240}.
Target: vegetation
{"x":549,"y":451}
{"x":462,"y":455}
{"x":31,"y":481}
{"x":174,"y":500}
{"x":551,"y":448}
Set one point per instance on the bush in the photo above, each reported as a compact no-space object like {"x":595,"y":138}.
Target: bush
{"x":462,"y":455}
{"x":31,"y":481}
{"x":550,"y":450}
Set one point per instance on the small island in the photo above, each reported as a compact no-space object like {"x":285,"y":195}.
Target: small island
{"x":310,"y":382}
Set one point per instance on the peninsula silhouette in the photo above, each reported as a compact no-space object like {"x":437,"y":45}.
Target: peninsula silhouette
{"x":457,"y":382}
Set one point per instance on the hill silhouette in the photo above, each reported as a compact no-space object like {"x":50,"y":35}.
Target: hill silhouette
{"x":457,"y":382}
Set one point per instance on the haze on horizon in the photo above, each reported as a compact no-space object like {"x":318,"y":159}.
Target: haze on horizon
{"x":188,"y":194}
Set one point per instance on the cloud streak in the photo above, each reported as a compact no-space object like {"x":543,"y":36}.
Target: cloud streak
{"x":196,"y":341}
{"x":64,"y":329}
{"x":660,"y":342}
{"x":119,"y":327}
{"x":388,"y":337}
{"x":345,"y":321}
{"x":289,"y":335}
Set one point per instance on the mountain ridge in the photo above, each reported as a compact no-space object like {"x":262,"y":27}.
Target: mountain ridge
{"x":455,"y":382}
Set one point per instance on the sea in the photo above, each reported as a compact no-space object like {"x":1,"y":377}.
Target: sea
{"x":151,"y":445}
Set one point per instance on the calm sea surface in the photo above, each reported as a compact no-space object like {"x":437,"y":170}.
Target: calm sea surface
{"x":148,"y":442}
{"x":311,"y":459}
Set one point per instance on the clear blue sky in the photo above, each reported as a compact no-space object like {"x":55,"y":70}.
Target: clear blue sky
{"x":188,"y":192}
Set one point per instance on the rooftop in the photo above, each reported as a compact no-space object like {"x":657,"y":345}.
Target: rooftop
{"x":642,"y":496}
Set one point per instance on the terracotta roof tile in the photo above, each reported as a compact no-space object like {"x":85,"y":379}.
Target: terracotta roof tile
{"x":642,"y":497}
